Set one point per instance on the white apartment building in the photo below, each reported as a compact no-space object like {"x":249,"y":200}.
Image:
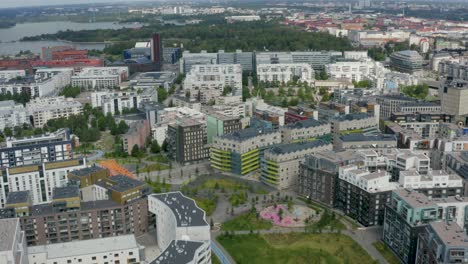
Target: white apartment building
{"x":12,"y":74}
{"x":371,"y":182}
{"x":12,"y":114}
{"x":432,"y":180}
{"x":207,"y":82}
{"x":305,"y":130}
{"x":46,"y":82}
{"x":356,"y":122}
{"x":285,"y":72}
{"x":116,"y":102}
{"x":99,"y":78}
{"x":13,"y":248}
{"x":373,"y":38}
{"x":116,"y":249}
{"x":357,"y":70}
{"x":40,"y":179}
{"x":355,"y":55}
{"x":179,"y":220}
{"x":45,"y":109}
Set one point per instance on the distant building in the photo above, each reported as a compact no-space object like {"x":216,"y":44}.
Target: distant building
{"x":361,"y":141}
{"x":137,"y":134}
{"x":218,"y":125}
{"x":12,"y":114}
{"x":303,"y":131}
{"x":453,"y":96}
{"x":408,"y":61}
{"x":98,"y":78}
{"x":48,"y":108}
{"x":284,"y":73}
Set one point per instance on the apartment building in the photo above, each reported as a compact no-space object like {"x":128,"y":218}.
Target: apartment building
{"x":355,"y":70}
{"x":118,"y":102}
{"x":391,"y":104}
{"x":119,"y":249}
{"x":316,"y":59}
{"x":318,"y":174}
{"x":48,"y":224}
{"x":207,"y":82}
{"x":39,"y":179}
{"x":442,"y":243}
{"x":299,"y":113}
{"x":407,"y":215}
{"x":180,"y":222}
{"x":305,"y":130}
{"x":362,"y":195}
{"x":362,"y":141}
{"x":87,"y":176}
{"x":239,"y":152}
{"x":245,"y":59}
{"x":100,"y":78}
{"x":45,"y":82}
{"x":434,"y":184}
{"x":280,"y":164}
{"x":190,"y":59}
{"x":354,"y":123}
{"x":408,"y":61}
{"x":187,"y":141}
{"x":12,"y":114}
{"x":44,"y":109}
{"x":453,"y":95}
{"x":12,"y":245}
{"x":12,"y":74}
{"x":284,"y":73}
{"x":218,"y":125}
{"x":137,"y":134}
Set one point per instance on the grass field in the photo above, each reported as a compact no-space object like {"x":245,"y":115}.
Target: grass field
{"x":158,"y":158}
{"x":214,"y":259}
{"x":297,"y":248}
{"x":386,"y":253}
{"x":207,"y":204}
{"x":246,"y":221}
{"x":153,"y":167}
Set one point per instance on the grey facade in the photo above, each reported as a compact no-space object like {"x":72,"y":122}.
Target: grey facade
{"x":187,"y":141}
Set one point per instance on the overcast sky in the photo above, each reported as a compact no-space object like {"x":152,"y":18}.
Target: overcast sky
{"x":18,"y":3}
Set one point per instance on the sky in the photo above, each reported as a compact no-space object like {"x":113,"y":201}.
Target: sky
{"x":22,"y":3}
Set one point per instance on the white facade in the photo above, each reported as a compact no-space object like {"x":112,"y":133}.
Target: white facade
{"x":355,"y":55}
{"x":285,"y":72}
{"x":111,"y":102}
{"x":433,"y":179}
{"x":29,"y":178}
{"x":11,"y":74}
{"x":12,"y":243}
{"x":371,"y":182}
{"x":178,"y":218}
{"x":117,"y":249}
{"x":207,"y":82}
{"x":98,"y":78}
{"x":356,"y":70}
{"x":12,"y":114}
{"x":45,"y":109}
{"x":46,"y":82}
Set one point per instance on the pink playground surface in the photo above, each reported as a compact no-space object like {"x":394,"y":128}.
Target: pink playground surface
{"x":293,"y":218}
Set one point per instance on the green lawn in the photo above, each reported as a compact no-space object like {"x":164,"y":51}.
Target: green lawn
{"x":246,"y":221}
{"x":386,"y":252}
{"x":214,"y":259}
{"x":158,"y":158}
{"x":294,"y":248}
{"x":226,"y":184}
{"x":154,"y":167}
{"x":159,"y":187}
{"x":207,"y":204}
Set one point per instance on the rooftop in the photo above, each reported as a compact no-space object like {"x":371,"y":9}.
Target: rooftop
{"x":185,"y":210}
{"x":353,"y":116}
{"x":178,"y":251}
{"x":362,"y":137}
{"x":86,"y":247}
{"x":306,"y":124}
{"x":65,"y":192}
{"x":17,"y":197}
{"x":293,"y":147}
{"x":247,"y":133}
{"x":450,"y":234}
{"x":120,"y":183}
{"x":414,"y":199}
{"x":7,"y":233}
{"x":86,"y":171}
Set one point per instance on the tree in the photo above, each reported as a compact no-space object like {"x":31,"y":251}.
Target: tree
{"x":419,"y":91}
{"x":164,"y":145}
{"x":155,"y":147}
{"x":227,"y":90}
{"x":8,"y":132}
{"x":135,"y":151}
{"x":162,"y":94}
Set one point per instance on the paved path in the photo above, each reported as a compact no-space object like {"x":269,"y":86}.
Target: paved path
{"x":219,"y":251}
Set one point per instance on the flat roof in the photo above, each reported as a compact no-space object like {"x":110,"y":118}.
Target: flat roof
{"x":17,"y":197}
{"x":306,"y":123}
{"x":65,"y":192}
{"x":86,"y":247}
{"x":353,"y":116}
{"x":248,"y":133}
{"x":415,"y":199}
{"x":362,"y":137}
{"x":185,"y":210}
{"x":86,"y":171}
{"x":120,"y":183}
{"x":451,"y":234}
{"x":178,"y":251}
{"x":7,"y":233}
{"x":293,"y":147}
